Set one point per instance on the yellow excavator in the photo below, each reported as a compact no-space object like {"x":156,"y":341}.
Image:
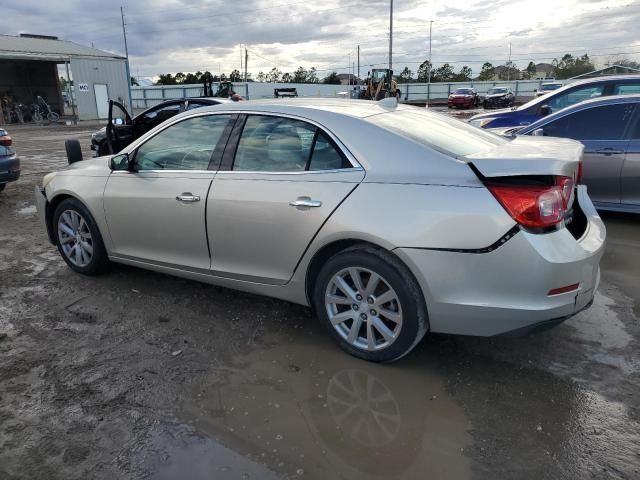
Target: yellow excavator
{"x":380,"y":84}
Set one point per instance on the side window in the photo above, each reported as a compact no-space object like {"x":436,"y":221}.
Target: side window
{"x":193,"y":105}
{"x":274,"y":144}
{"x":607,"y":122}
{"x":627,"y":89}
{"x":325,"y":156}
{"x":574,"y":96}
{"x":187,"y":145}
{"x":163,"y":113}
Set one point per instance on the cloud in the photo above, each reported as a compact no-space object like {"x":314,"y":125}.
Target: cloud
{"x":189,"y":35}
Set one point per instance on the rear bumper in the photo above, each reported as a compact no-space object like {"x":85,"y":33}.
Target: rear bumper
{"x":507,"y":289}
{"x":9,"y":169}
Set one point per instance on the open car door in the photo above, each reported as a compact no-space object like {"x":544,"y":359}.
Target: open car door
{"x":119,"y":127}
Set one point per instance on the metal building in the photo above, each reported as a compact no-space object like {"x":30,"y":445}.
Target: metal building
{"x":31,"y":66}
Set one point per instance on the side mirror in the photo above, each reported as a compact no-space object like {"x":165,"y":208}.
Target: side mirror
{"x":545,"y":110}
{"x":121,"y":162}
{"x":538,"y":132}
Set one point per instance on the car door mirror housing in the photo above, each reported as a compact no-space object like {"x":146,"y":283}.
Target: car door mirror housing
{"x":538,"y":132}
{"x":545,"y":110}
{"x":121,"y":162}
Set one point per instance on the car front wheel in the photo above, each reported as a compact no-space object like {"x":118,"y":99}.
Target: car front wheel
{"x":78,"y":238}
{"x":371,"y":304}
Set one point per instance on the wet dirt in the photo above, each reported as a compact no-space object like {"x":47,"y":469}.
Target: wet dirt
{"x":134,"y":374}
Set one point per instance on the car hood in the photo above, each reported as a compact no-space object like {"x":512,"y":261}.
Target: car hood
{"x":496,"y":95}
{"x":530,"y":156}
{"x":93,"y":167}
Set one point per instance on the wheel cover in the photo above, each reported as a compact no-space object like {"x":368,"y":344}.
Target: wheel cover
{"x":363,"y":308}
{"x":75,"y":238}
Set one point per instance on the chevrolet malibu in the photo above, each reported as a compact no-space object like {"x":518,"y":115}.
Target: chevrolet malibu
{"x":390,"y":221}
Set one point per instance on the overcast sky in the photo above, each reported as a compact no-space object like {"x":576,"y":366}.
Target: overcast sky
{"x":190,"y":35}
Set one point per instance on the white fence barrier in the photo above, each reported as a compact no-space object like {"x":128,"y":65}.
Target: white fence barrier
{"x":145,"y":97}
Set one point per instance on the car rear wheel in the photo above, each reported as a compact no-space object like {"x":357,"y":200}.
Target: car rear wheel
{"x":78,"y":238}
{"x":371,"y":304}
{"x":2,"y":185}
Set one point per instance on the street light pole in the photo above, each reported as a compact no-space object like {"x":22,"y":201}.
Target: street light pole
{"x":430,"y":27}
{"x":126,"y":54}
{"x":391,"y":35}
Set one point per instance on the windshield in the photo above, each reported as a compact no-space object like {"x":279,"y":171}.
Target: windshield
{"x":496,"y":90}
{"x":463,"y":91}
{"x":438,"y":131}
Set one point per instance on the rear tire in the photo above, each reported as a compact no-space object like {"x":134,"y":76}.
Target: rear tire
{"x":2,"y":185}
{"x":78,"y":238}
{"x":371,"y":304}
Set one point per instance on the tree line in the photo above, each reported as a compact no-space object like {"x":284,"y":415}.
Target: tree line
{"x":565,"y":67}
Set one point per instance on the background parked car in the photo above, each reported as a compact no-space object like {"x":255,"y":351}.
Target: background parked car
{"x":128,"y":129}
{"x":548,"y":87}
{"x":609,"y":129}
{"x":498,"y":97}
{"x":463,"y":97}
{"x":558,"y":99}
{"x":9,"y":161}
{"x":391,"y":212}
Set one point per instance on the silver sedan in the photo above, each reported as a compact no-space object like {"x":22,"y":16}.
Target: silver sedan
{"x":390,"y":221}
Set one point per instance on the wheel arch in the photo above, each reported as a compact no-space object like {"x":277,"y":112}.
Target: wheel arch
{"x":51,"y":208}
{"x":336,"y":246}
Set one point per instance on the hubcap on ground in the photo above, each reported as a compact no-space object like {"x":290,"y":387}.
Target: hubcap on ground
{"x":363,"y":308}
{"x":75,"y":238}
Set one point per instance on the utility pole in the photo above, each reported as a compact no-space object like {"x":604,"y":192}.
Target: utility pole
{"x":430,"y":28}
{"x":246,"y":59}
{"x":509,"y":64}
{"x":358,"y":61}
{"x":126,"y":54}
{"x":391,"y":35}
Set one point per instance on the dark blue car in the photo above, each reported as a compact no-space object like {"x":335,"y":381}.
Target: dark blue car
{"x":558,"y":99}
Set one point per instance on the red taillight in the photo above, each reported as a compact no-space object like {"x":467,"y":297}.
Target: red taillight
{"x":580,"y":172}
{"x":5,"y":141}
{"x":535,"y":206}
{"x":567,"y":289}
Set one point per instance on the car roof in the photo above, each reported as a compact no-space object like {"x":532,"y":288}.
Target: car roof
{"x":310,"y":106}
{"x":591,"y":102}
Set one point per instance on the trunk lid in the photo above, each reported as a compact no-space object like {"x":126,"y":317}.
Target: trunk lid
{"x":529,"y":156}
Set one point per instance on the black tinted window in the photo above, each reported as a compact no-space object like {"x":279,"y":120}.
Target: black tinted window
{"x":325,"y":156}
{"x":607,"y":122}
{"x":193,"y":105}
{"x":187,"y":145}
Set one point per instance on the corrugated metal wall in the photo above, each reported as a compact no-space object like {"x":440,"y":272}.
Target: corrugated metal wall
{"x":113,"y":73}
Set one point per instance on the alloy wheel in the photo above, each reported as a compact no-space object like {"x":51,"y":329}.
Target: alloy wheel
{"x":75,"y":238}
{"x":363,"y":308}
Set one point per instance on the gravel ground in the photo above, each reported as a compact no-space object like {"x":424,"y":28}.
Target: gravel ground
{"x":137,"y":375}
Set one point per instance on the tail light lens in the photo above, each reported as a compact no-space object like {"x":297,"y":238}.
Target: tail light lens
{"x":5,"y":141}
{"x":580,"y":172}
{"x":535,"y":206}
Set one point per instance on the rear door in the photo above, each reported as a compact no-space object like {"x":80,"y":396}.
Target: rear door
{"x":630,"y":177}
{"x":156,"y":213}
{"x":279,"y":182}
{"x":603,"y":130}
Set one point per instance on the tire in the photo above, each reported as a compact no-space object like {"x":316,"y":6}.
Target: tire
{"x":103,"y":149}
{"x":74,"y":150}
{"x":2,"y":185}
{"x":405,"y":316}
{"x":87,"y":230}
{"x":53,"y":117}
{"x":484,"y":105}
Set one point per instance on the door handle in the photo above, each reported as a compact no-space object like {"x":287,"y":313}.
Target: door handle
{"x":305,"y":202}
{"x":188,"y":197}
{"x":610,"y":151}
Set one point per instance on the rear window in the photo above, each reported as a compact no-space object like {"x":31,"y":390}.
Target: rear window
{"x":438,"y":131}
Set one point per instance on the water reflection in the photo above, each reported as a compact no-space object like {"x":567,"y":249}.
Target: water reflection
{"x":297,"y":408}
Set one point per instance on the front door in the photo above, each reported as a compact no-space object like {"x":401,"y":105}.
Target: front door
{"x":156,"y":212}
{"x":274,"y":194}
{"x":102,"y":100}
